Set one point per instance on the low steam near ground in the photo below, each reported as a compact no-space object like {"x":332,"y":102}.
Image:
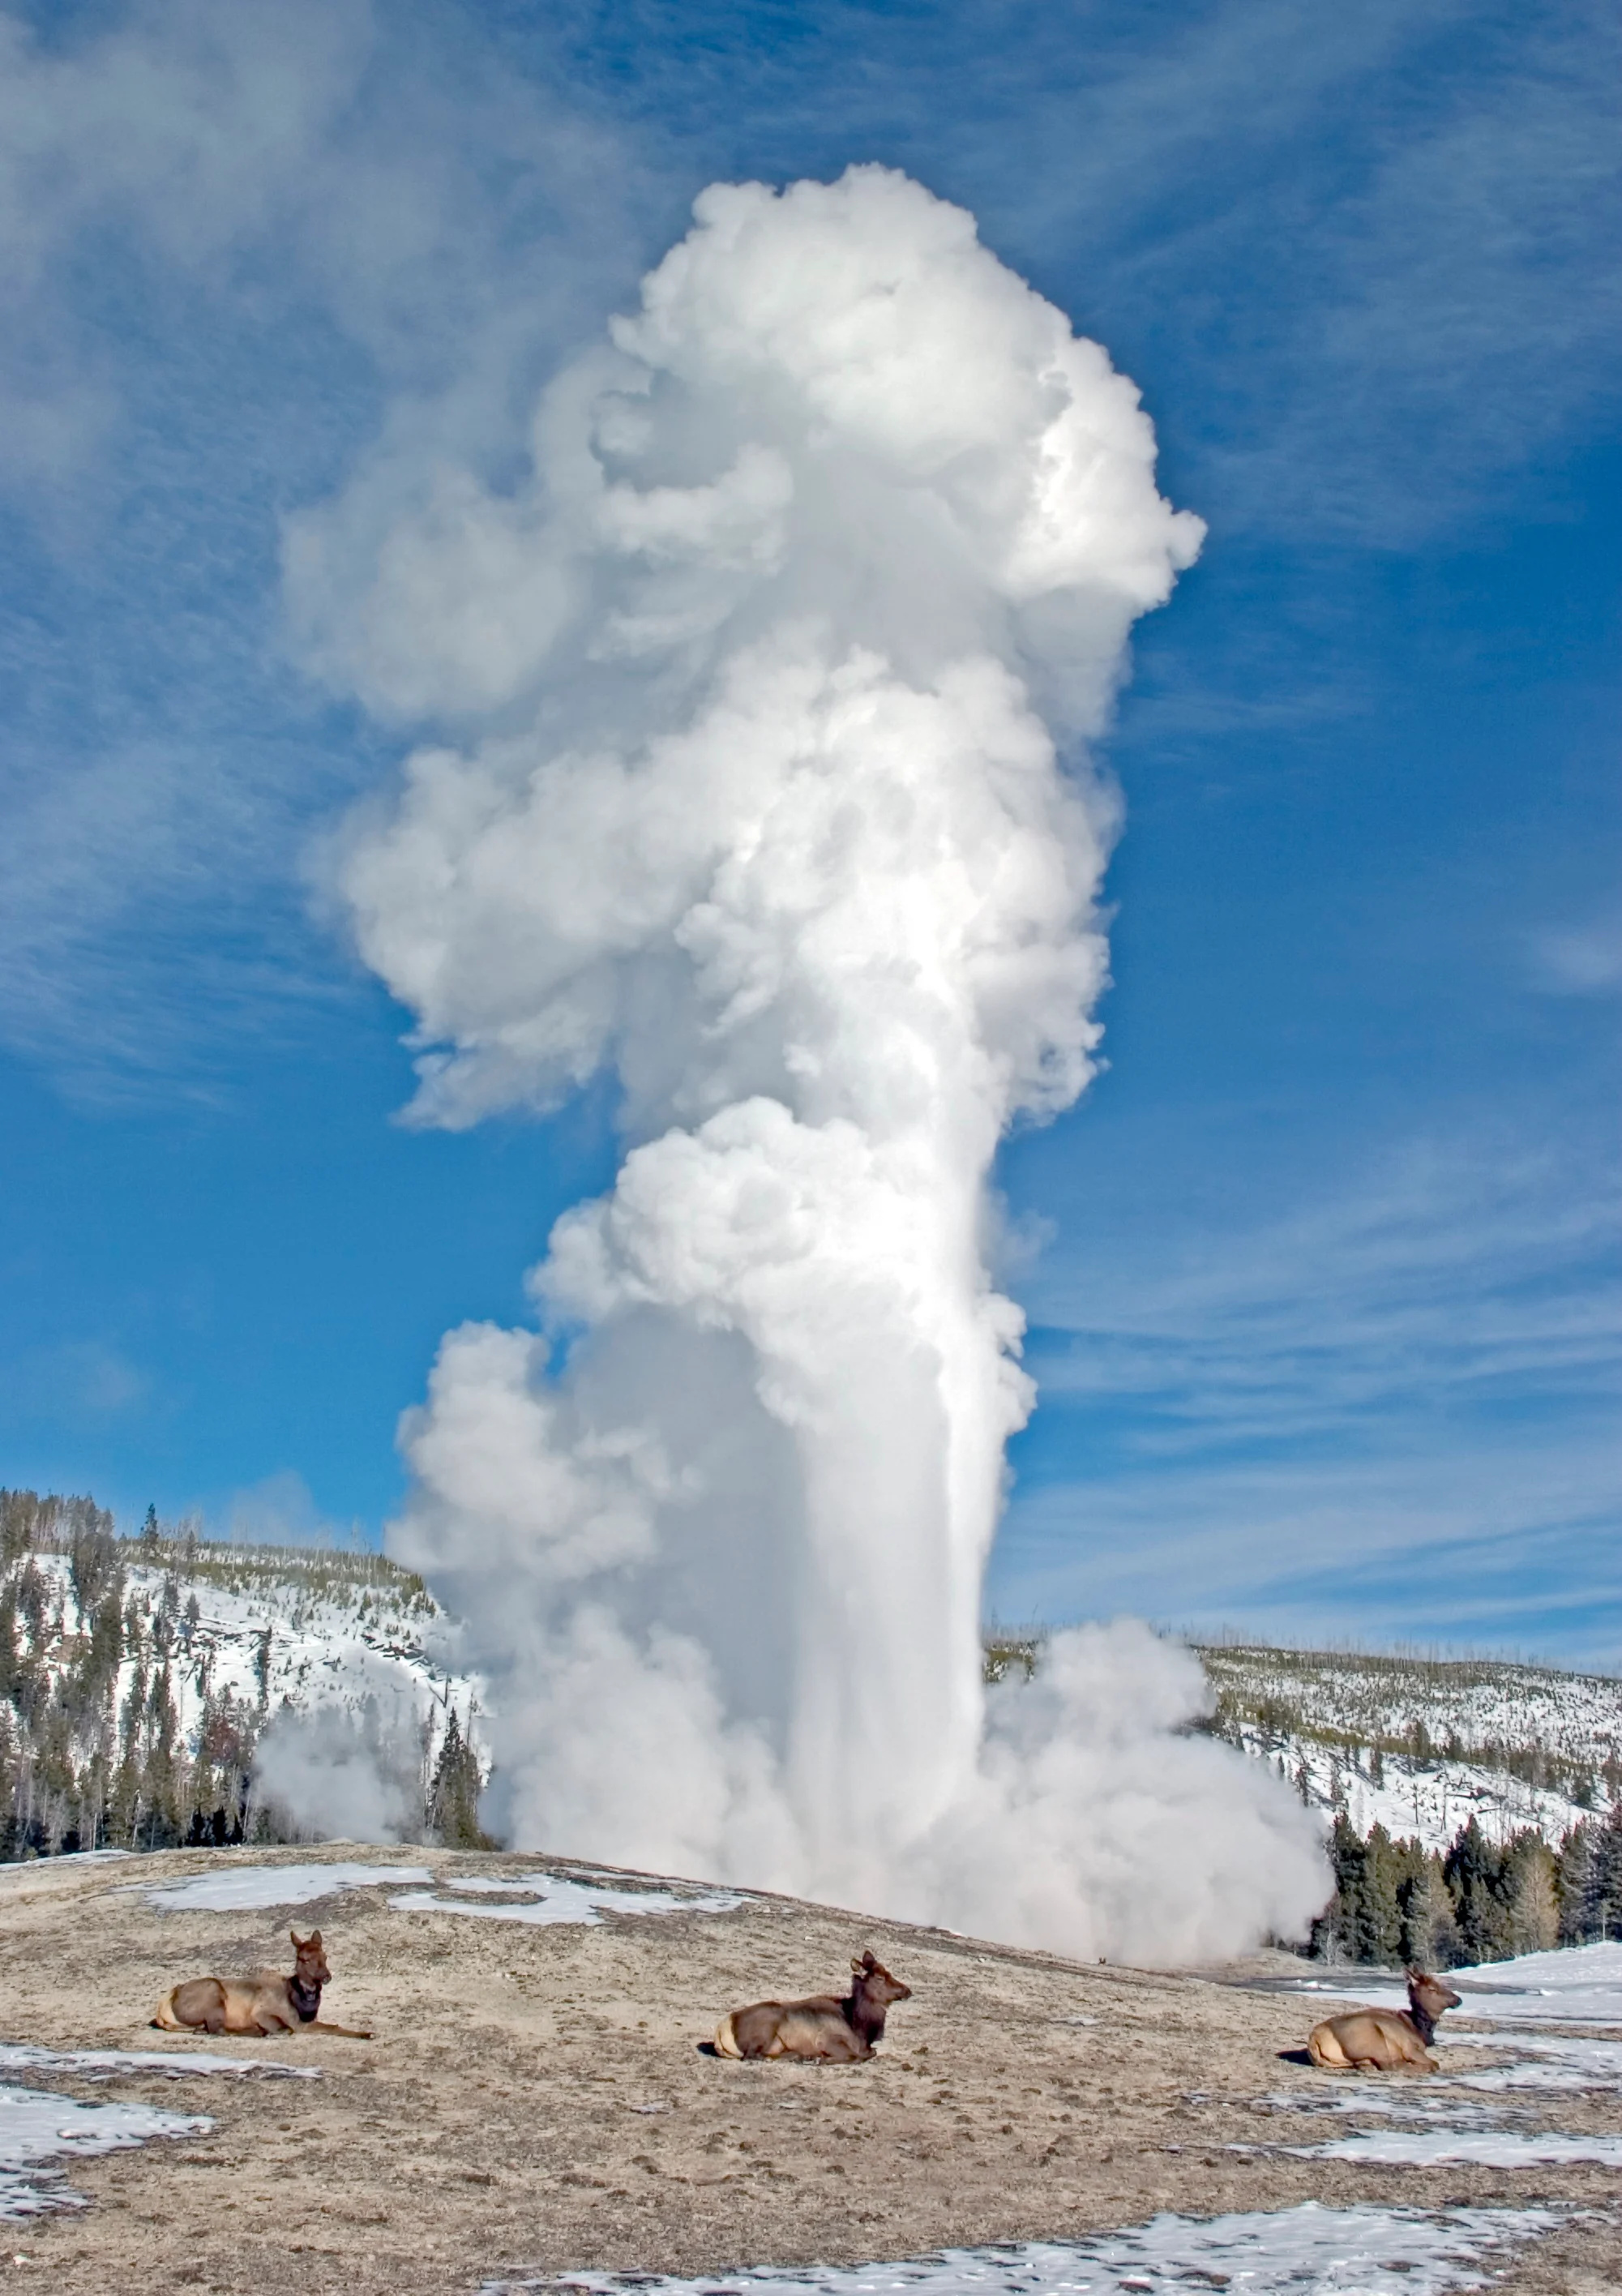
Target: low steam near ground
{"x":763,"y":680}
{"x":320,"y":1769}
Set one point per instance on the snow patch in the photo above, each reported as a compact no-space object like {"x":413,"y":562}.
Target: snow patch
{"x":1402,"y":2099}
{"x":250,"y":1888}
{"x":35,"y":2128}
{"x":1578,"y":1985}
{"x":1577,"y":2063}
{"x":69,"y":1857}
{"x":554,"y":1899}
{"x":1483,"y":2148}
{"x":109,"y":2064}
{"x":1302,"y":2251}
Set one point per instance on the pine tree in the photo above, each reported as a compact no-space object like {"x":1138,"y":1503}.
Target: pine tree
{"x":1575,"y":1886}
{"x":1606,"y":1884}
{"x":106,"y":1652}
{"x":160,"y":1780}
{"x":453,"y":1800}
{"x":10,"y":1655}
{"x":1377,"y":1921}
{"x":92,"y":1558}
{"x":1475,"y":1875}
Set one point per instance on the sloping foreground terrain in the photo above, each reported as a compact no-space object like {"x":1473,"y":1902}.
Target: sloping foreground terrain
{"x":536,"y":2101}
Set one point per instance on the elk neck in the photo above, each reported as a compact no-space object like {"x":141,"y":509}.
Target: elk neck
{"x":305,"y":1998}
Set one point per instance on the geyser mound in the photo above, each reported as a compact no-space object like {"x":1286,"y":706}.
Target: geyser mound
{"x":763,"y":670}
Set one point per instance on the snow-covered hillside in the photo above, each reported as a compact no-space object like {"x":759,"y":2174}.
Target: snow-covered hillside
{"x":139,"y":1680}
{"x":1420,"y":1745}
{"x":261,"y":1625}
{"x":308,"y":1627}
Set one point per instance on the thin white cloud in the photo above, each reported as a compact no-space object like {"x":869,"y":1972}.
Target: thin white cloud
{"x":1395,"y":245}
{"x":77,"y":1384}
{"x":280,"y":1511}
{"x":236,"y":246}
{"x":1403,"y":1393}
{"x":1580,"y":960}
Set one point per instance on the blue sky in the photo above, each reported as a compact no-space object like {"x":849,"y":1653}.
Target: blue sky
{"x":1322,"y":1274}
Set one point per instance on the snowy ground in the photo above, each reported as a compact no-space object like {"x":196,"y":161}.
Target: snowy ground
{"x":1580,"y":1985}
{"x":1447,"y":2119}
{"x":1305,"y":2251}
{"x":38,"y":2129}
{"x":112,"y":2064}
{"x":245,"y":1888}
{"x":576,"y":2114}
{"x":533,"y":1896}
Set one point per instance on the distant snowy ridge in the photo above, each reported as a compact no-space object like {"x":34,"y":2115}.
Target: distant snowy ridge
{"x":1421,"y":1746}
{"x":139,"y":1678}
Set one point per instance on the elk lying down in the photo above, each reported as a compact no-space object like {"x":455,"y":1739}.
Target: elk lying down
{"x":264,"y":2004}
{"x":841,"y":2032}
{"x":1385,"y":2040}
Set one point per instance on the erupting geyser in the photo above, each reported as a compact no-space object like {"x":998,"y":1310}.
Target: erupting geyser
{"x":764,"y":667}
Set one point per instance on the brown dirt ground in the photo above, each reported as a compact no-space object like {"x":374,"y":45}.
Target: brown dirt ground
{"x":492,"y":2127}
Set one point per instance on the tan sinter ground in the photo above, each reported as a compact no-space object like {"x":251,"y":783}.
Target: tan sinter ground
{"x":499,"y":2122}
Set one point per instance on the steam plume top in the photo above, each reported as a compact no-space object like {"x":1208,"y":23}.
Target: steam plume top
{"x":758,"y":636}
{"x":868,"y":320}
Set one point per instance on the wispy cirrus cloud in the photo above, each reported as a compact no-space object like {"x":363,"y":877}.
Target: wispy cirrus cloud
{"x":240,"y":252}
{"x":1365,"y":262}
{"x":1396,"y":1401}
{"x":1581,"y":960}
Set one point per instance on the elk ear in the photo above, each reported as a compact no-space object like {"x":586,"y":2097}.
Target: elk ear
{"x":314,"y":1938}
{"x":298,"y":1940}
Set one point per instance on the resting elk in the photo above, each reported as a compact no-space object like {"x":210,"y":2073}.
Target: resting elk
{"x":838,"y":2032}
{"x":1385,"y":2040}
{"x":265,"y":2004}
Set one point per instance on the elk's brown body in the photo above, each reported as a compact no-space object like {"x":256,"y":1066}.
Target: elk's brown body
{"x":838,"y":2032}
{"x":1385,"y":2040}
{"x":264,"y":2004}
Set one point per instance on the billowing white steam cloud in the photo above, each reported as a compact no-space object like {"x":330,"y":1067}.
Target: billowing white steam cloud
{"x":329,"y":1777}
{"x":766,"y":662}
